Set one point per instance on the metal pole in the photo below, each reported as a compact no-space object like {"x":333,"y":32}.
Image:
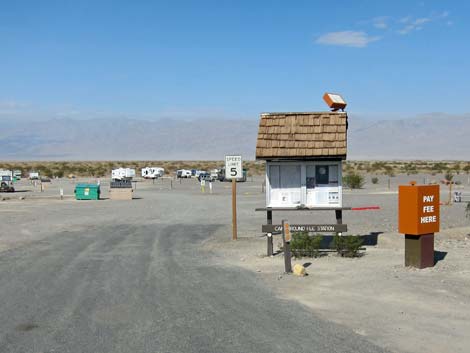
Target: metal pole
{"x":234,"y":209}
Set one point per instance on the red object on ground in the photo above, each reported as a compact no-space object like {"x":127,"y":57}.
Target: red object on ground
{"x":365,"y":208}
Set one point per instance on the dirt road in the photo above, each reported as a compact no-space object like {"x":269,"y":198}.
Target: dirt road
{"x":132,"y":277}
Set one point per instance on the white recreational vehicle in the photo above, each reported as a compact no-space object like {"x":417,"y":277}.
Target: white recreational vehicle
{"x":123,"y":174}
{"x":6,"y":181}
{"x":183,"y":173}
{"x":152,"y":172}
{"x":33,"y":175}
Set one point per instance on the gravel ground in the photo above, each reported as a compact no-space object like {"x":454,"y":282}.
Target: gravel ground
{"x":160,"y":273}
{"x":133,"y":276}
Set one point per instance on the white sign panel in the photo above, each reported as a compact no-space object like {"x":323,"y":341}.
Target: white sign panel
{"x":233,"y":167}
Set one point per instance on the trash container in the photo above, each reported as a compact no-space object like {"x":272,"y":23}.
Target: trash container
{"x":87,"y":192}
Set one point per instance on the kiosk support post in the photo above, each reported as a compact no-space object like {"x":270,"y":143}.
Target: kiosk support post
{"x":269,"y":237}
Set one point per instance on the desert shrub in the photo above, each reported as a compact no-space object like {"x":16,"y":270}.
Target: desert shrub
{"x":439,"y":167}
{"x":375,"y":180}
{"x":409,"y":168}
{"x":353,"y":181}
{"x":347,"y":245}
{"x":389,"y":171}
{"x":449,"y":176}
{"x":304,"y":245}
{"x":46,"y":172}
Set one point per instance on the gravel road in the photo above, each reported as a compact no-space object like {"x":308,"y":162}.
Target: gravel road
{"x":132,"y":277}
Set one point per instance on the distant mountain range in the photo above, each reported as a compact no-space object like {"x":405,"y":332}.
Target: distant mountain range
{"x":432,"y":136}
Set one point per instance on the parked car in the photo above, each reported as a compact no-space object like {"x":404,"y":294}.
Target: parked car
{"x":204,"y":176}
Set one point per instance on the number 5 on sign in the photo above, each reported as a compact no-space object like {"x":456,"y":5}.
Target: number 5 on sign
{"x":233,"y":167}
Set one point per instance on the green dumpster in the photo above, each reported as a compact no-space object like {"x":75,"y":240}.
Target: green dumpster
{"x":87,"y":192}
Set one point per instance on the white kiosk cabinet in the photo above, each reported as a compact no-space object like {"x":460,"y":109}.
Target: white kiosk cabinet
{"x":309,"y":184}
{"x":304,"y":154}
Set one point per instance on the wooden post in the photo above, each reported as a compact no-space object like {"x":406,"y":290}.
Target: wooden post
{"x":287,"y":253}
{"x":449,"y":202}
{"x":339,"y":216}
{"x":269,"y":216}
{"x":234,"y":209}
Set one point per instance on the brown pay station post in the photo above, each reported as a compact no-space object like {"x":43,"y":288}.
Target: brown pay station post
{"x":418,"y":220}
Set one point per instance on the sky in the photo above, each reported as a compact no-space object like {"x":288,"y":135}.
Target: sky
{"x":231,"y":59}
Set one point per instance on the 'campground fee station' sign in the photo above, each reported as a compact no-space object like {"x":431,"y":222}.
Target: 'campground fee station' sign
{"x":233,"y":167}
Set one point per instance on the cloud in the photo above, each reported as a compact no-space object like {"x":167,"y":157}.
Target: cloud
{"x":417,"y":24}
{"x":357,"y":39}
{"x":380,"y":22}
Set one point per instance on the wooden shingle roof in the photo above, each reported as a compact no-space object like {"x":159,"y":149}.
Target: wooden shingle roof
{"x":302,"y":135}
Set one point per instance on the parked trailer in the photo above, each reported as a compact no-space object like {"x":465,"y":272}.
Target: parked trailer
{"x":123,"y":174}
{"x":152,"y":172}
{"x":183,"y":173}
{"x":17,"y":174}
{"x":33,"y":175}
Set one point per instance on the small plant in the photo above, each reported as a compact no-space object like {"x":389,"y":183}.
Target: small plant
{"x":449,"y":176}
{"x":466,"y":169}
{"x":353,"y":181}
{"x":375,"y":180}
{"x":347,"y":245}
{"x":304,"y":245}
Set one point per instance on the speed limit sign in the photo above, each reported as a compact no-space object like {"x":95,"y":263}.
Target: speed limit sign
{"x":233,"y":167}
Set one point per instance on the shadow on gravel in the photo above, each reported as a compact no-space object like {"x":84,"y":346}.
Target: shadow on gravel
{"x":26,"y":327}
{"x":370,"y":239}
{"x":439,"y":256}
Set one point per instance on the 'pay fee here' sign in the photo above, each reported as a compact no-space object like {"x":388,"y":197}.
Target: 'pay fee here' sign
{"x":418,"y":209}
{"x":233,"y":167}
